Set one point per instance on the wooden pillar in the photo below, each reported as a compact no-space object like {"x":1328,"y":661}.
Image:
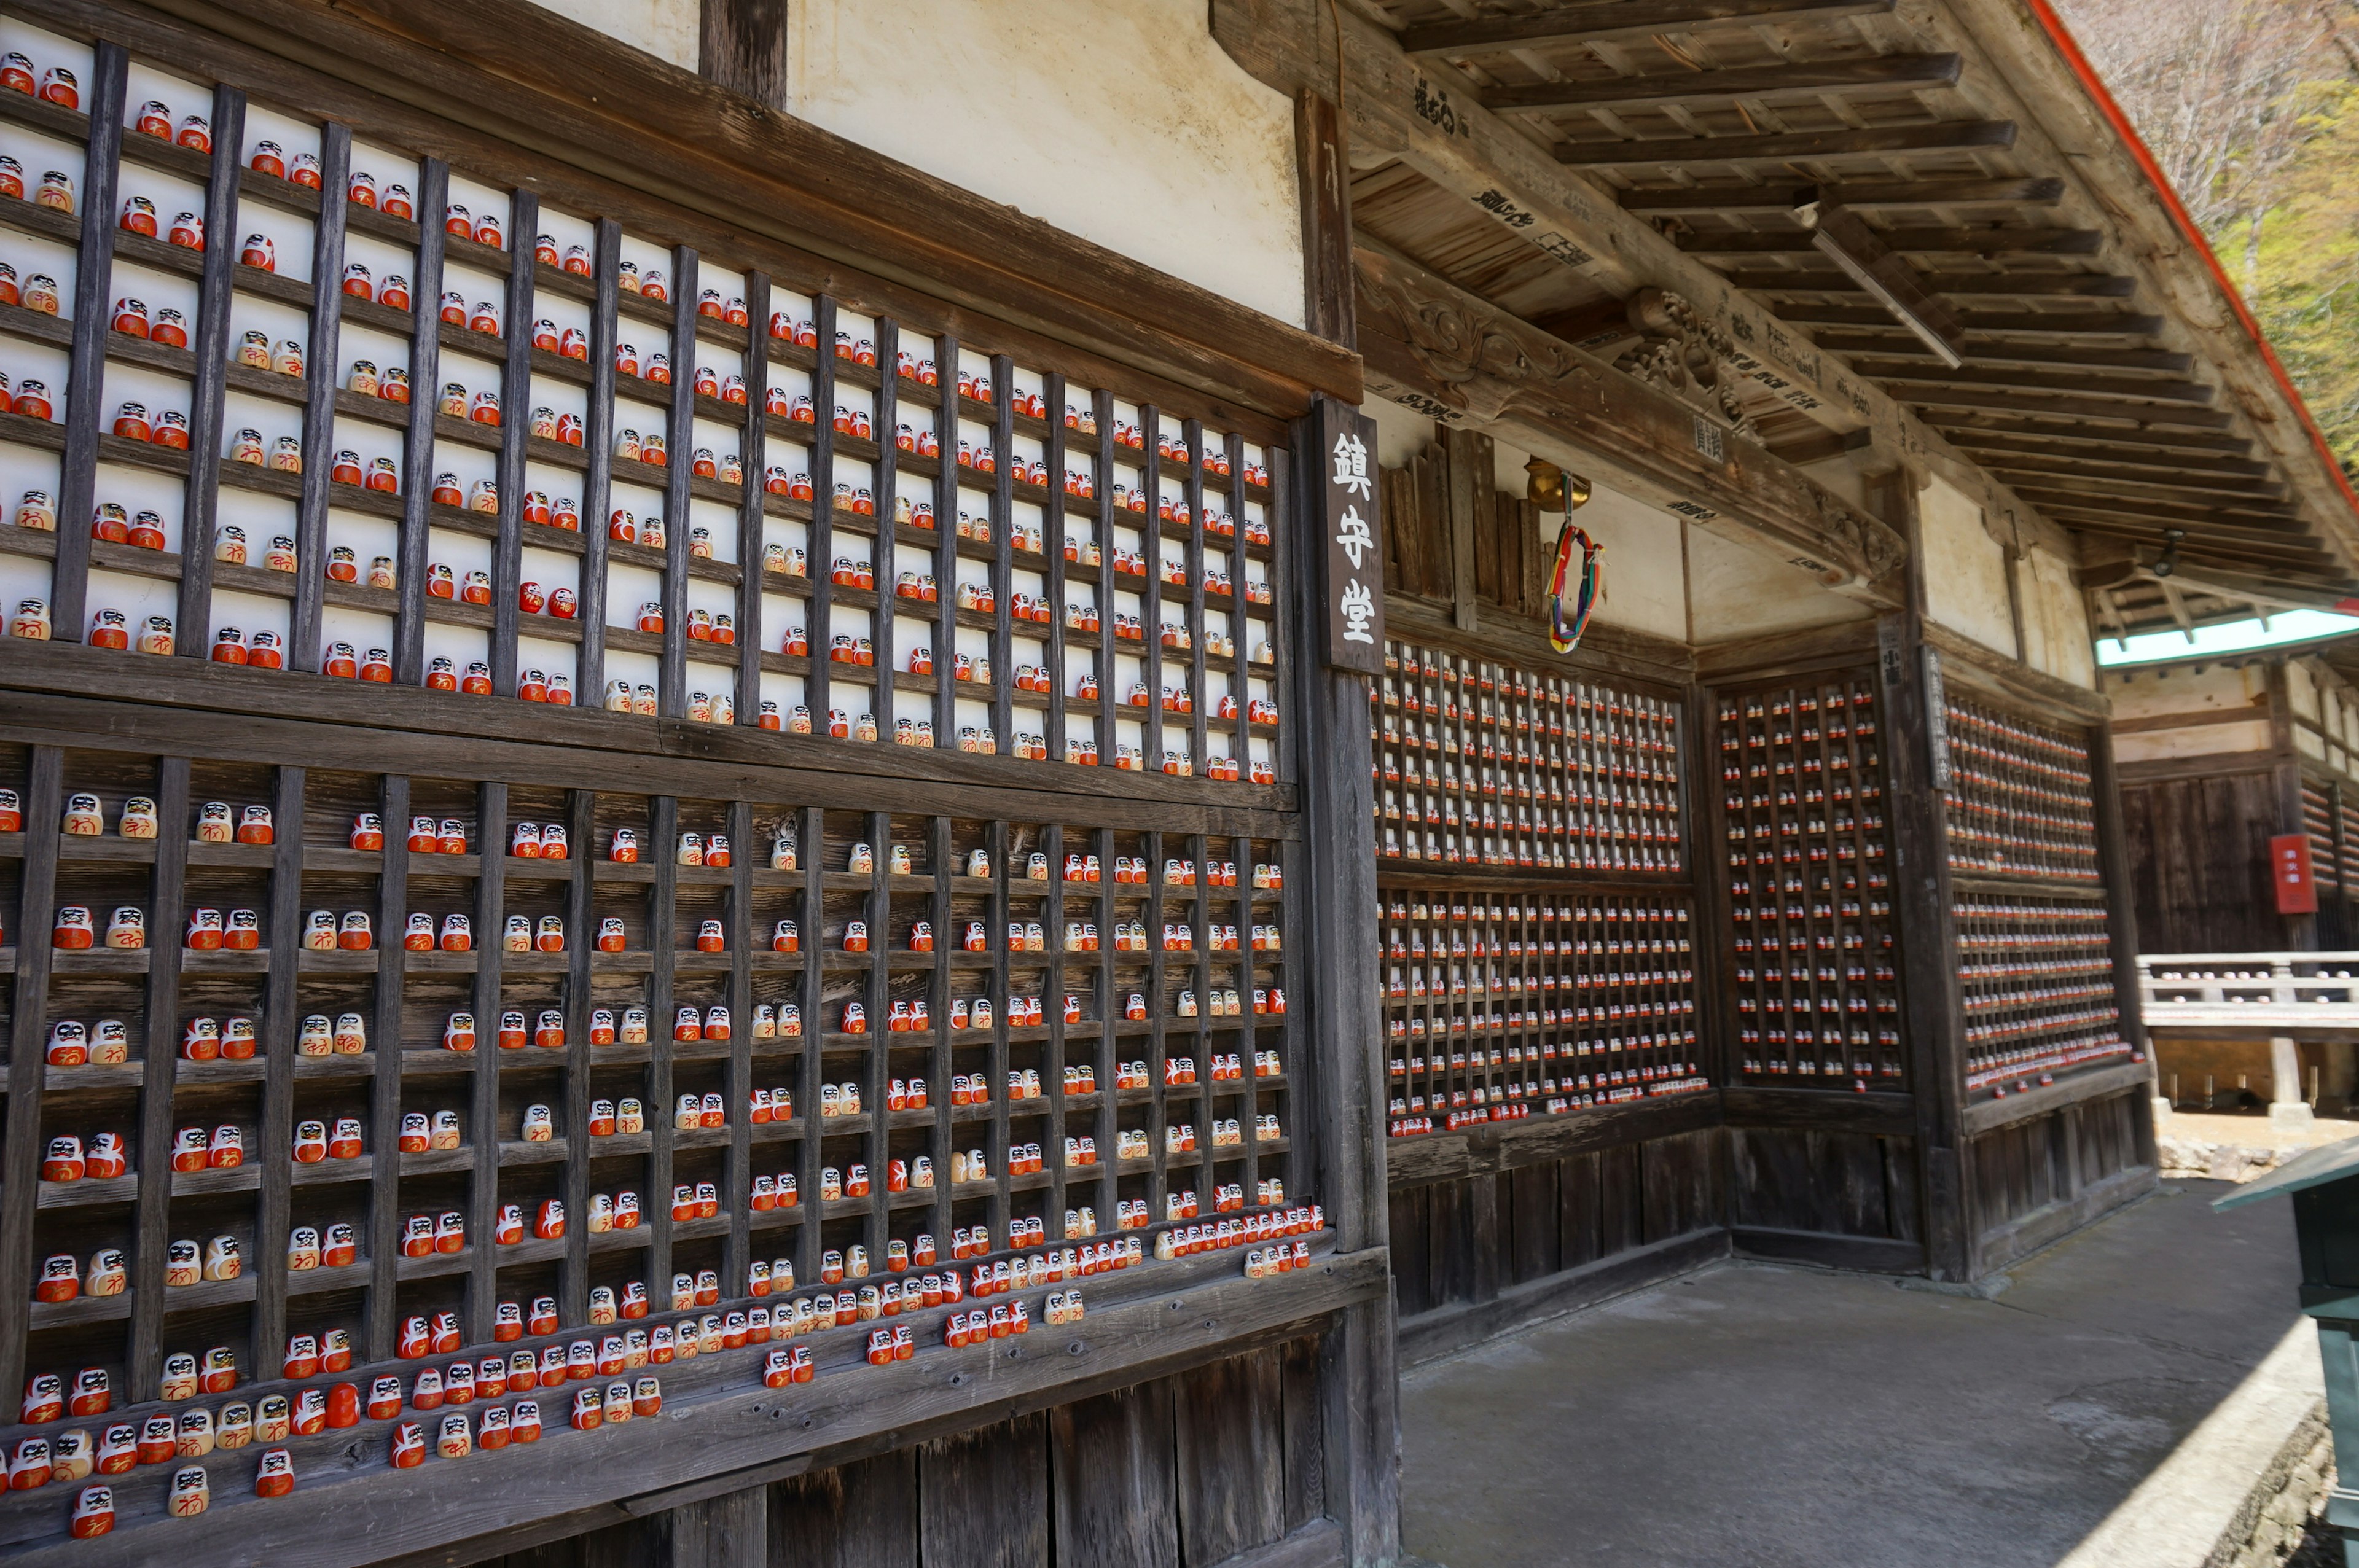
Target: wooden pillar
{"x":2301,"y":930}
{"x":1922,"y":902}
{"x":2121,"y":922}
{"x":743,"y":47}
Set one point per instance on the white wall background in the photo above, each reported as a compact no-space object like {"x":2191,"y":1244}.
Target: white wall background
{"x":1965,"y":569}
{"x":669,"y":29}
{"x":1120,"y":121}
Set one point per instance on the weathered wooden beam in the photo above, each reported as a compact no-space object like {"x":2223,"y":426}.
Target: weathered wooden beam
{"x":2031,"y":466}
{"x":2217,"y":519}
{"x":2226,"y":551}
{"x":1988,"y":241}
{"x":2015,"y":285}
{"x":1452,"y":356}
{"x":1818,"y":445}
{"x":1599,"y":21}
{"x":1893,"y":372}
{"x":2083,"y":323}
{"x":2011,"y":192}
{"x":1889,"y":346}
{"x":2147,"y":490}
{"x":2140,"y":414}
{"x":2073,"y":448}
{"x":2025,"y":423}
{"x":1940,"y":135}
{"x":1750,"y":83}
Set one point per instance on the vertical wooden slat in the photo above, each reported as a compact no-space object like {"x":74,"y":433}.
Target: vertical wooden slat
{"x":284,"y":926}
{"x":382,"y":1228}
{"x":937,"y":1066}
{"x":946,"y":503}
{"x":597,"y":483}
{"x":1052,"y":1001}
{"x":86,"y":360}
{"x":996,"y":1073}
{"x":885,"y":488}
{"x":1150,"y":603}
{"x":737,"y":1173}
{"x":663,"y":943}
{"x":152,"y":1143}
{"x":515,"y":398}
{"x":582,"y":923}
{"x":755,"y":453}
{"x":483,"y":1101}
{"x":417,"y":439}
{"x":1003,"y":520}
{"x":320,"y":393}
{"x":1052,"y":542}
{"x":20,"y":1152}
{"x":818,"y":684}
{"x":1193,"y":494}
{"x":875,"y":1063}
{"x":194,"y":618}
{"x":680,"y":444}
{"x":812,"y":835}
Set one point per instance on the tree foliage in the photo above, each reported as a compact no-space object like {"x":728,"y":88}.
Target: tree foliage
{"x":2252,"y":108}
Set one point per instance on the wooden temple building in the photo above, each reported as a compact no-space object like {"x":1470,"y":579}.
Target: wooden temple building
{"x":504,"y":1066}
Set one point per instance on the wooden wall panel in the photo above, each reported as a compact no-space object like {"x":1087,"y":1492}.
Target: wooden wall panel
{"x":1232,"y":1478}
{"x":1111,"y":1462}
{"x":2199,"y":847}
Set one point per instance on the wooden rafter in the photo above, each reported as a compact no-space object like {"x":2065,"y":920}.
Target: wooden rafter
{"x":2071,"y":448}
{"x":2286,"y":530}
{"x":2141,"y":414}
{"x":1601,"y":20}
{"x":1985,"y":241}
{"x":2033,"y":424}
{"x":2147,"y":489}
{"x":2033,"y":468}
{"x":2070,"y":323}
{"x":1879,"y":345}
{"x":1751,"y":83}
{"x":2005,"y":192}
{"x":1894,"y":372}
{"x":2009,"y":284}
{"x":1941,"y":135}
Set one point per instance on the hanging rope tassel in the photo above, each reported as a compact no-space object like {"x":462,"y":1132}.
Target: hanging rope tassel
{"x":1565,"y":630}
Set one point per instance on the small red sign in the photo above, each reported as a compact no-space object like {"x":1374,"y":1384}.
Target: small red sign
{"x":2289,"y":873}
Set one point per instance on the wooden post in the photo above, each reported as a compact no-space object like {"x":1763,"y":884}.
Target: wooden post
{"x":742,"y":44}
{"x":1922,"y":902}
{"x":1359,"y":1391}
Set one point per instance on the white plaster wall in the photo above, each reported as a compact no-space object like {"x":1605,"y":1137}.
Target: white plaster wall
{"x":1120,"y":121}
{"x":1965,"y":569}
{"x":2056,"y":633}
{"x":667,"y":29}
{"x":2211,"y":740}
{"x":2142,"y":694}
{"x":1401,"y":433}
{"x":1736,"y":591}
{"x":2302,"y":688}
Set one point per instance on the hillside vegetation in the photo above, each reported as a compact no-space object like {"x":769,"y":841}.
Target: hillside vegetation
{"x":2252,"y":108}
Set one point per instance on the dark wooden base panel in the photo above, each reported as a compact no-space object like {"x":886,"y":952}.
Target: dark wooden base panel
{"x":1446,"y":1330}
{"x":2036,"y":1181}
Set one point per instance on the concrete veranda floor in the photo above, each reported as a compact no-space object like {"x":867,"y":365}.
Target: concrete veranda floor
{"x":1763,"y":1416}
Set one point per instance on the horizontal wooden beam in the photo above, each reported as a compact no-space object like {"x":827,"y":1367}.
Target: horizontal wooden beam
{"x":2145,"y":490}
{"x":2075,"y":324}
{"x":1450,"y":355}
{"x":2283,"y":531}
{"x":2012,"y":191}
{"x":1821,"y":445}
{"x":1968,"y":285}
{"x":1973,"y":241}
{"x":1878,"y":344}
{"x":2141,"y":414}
{"x":1893,"y":372}
{"x":1599,"y":21}
{"x":2073,"y":448}
{"x":1987,"y":421}
{"x":1669,"y":88}
{"x":2034,"y":467}
{"x":2222,"y":551}
{"x":1940,"y":135}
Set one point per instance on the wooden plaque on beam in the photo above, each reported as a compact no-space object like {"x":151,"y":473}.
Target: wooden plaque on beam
{"x":1340,"y":463}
